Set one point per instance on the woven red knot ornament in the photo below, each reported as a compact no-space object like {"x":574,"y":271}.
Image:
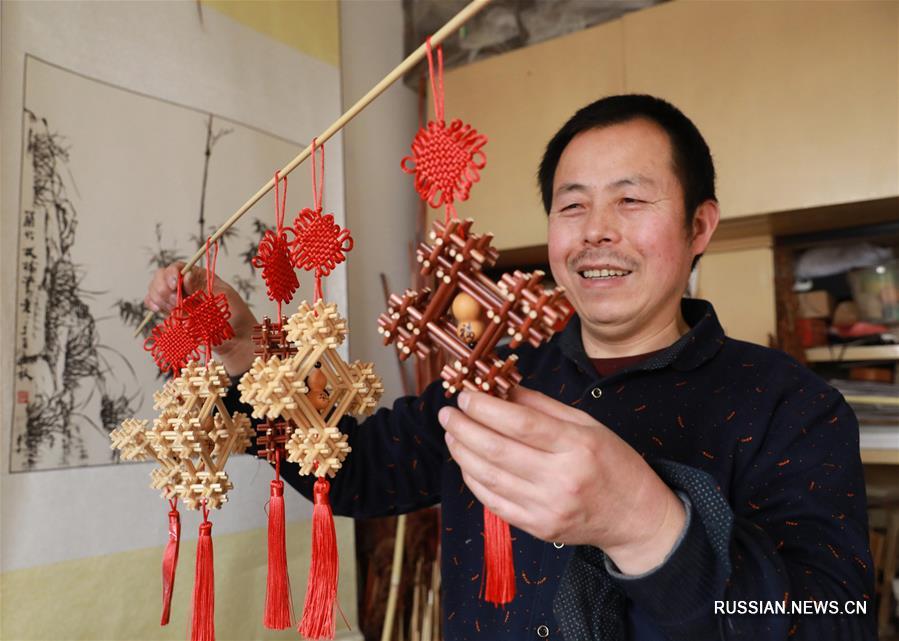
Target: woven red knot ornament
{"x":320,"y":243}
{"x":208,"y":313}
{"x":273,"y":255}
{"x":446,"y":161}
{"x":171,"y":344}
{"x":207,"y":318}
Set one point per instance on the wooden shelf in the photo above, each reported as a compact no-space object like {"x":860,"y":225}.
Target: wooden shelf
{"x":879,"y":457}
{"x":840,"y":353}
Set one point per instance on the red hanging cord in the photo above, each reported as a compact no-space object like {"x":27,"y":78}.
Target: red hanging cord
{"x":278,"y":613}
{"x":210,"y":281}
{"x":280,"y":205}
{"x":318,"y":187}
{"x":170,"y":558}
{"x":318,"y":195}
{"x":436,"y":82}
{"x":280,"y":201}
{"x":203,"y":620}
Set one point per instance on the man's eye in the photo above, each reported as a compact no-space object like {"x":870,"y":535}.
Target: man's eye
{"x":632,"y":201}
{"x":570,"y":207}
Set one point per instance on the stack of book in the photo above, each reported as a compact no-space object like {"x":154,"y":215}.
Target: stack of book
{"x":877,"y":407}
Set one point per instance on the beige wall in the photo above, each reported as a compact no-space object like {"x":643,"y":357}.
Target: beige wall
{"x":117,"y":596}
{"x":740,"y":284}
{"x":381,"y":201}
{"x":310,"y":26}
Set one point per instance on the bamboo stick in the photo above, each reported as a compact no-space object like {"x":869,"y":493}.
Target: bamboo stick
{"x":411,"y":60}
{"x":396,"y":573}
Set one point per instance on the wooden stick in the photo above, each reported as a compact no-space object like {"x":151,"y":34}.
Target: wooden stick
{"x":413,"y":59}
{"x":396,"y":573}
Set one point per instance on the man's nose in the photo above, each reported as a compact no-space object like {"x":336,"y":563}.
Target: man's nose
{"x":602,"y":225}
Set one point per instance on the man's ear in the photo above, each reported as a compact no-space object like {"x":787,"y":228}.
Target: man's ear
{"x":705,"y":222}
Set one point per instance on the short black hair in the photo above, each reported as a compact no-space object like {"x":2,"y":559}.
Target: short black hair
{"x":692,"y":160}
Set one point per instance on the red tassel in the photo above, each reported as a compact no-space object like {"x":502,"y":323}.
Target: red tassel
{"x":321,"y":592}
{"x":203,"y":624}
{"x":170,"y":561}
{"x":498,"y":587}
{"x":278,"y":605}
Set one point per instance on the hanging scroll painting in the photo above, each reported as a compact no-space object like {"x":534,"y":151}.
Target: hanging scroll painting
{"x":114,"y":184}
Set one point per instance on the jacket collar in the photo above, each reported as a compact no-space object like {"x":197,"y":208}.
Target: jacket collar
{"x":701,"y":343}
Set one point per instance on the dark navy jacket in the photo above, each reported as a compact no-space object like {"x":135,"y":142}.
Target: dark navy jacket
{"x":763,"y":452}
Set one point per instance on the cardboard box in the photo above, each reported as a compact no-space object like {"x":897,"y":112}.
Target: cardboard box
{"x":816,"y":304}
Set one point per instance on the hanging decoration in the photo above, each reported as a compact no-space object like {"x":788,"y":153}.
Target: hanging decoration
{"x":320,"y":243}
{"x":300,"y":388}
{"x":171,"y":344}
{"x":273,"y":256}
{"x":446,"y":160}
{"x":206,"y":312}
{"x":191,"y":441}
{"x":467,"y":313}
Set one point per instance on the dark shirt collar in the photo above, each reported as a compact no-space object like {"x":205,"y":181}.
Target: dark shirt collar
{"x":702,"y":342}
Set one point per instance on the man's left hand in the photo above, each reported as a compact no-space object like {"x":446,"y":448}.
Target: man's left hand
{"x":560,"y":475}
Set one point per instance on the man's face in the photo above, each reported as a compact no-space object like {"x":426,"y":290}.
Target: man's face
{"x":618,"y":240}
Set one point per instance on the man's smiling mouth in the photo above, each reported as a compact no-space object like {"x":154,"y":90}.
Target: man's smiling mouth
{"x":603,"y":274}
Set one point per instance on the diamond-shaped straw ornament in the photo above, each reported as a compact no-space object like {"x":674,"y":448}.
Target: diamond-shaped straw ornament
{"x":191,"y":439}
{"x":313,"y":389}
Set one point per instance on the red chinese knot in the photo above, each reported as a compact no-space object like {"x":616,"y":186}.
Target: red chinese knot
{"x":171,"y":344}
{"x":446,"y":161}
{"x":207,"y":313}
{"x":273,"y":257}
{"x":320,"y":244}
{"x":207,"y":318}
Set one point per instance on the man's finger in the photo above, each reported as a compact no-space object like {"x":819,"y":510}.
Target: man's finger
{"x":498,"y":481}
{"x":549,"y":406}
{"x":509,"y":511}
{"x":150,"y":304}
{"x":506,"y":454}
{"x":171,"y":275}
{"x":523,"y":424}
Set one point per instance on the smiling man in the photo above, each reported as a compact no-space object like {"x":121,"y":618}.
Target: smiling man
{"x":656,"y":473}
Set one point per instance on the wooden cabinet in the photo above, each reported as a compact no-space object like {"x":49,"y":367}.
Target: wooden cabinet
{"x":797,"y":100}
{"x":740,"y":284}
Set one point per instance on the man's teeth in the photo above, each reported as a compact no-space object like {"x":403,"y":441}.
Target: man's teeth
{"x":603,"y":273}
